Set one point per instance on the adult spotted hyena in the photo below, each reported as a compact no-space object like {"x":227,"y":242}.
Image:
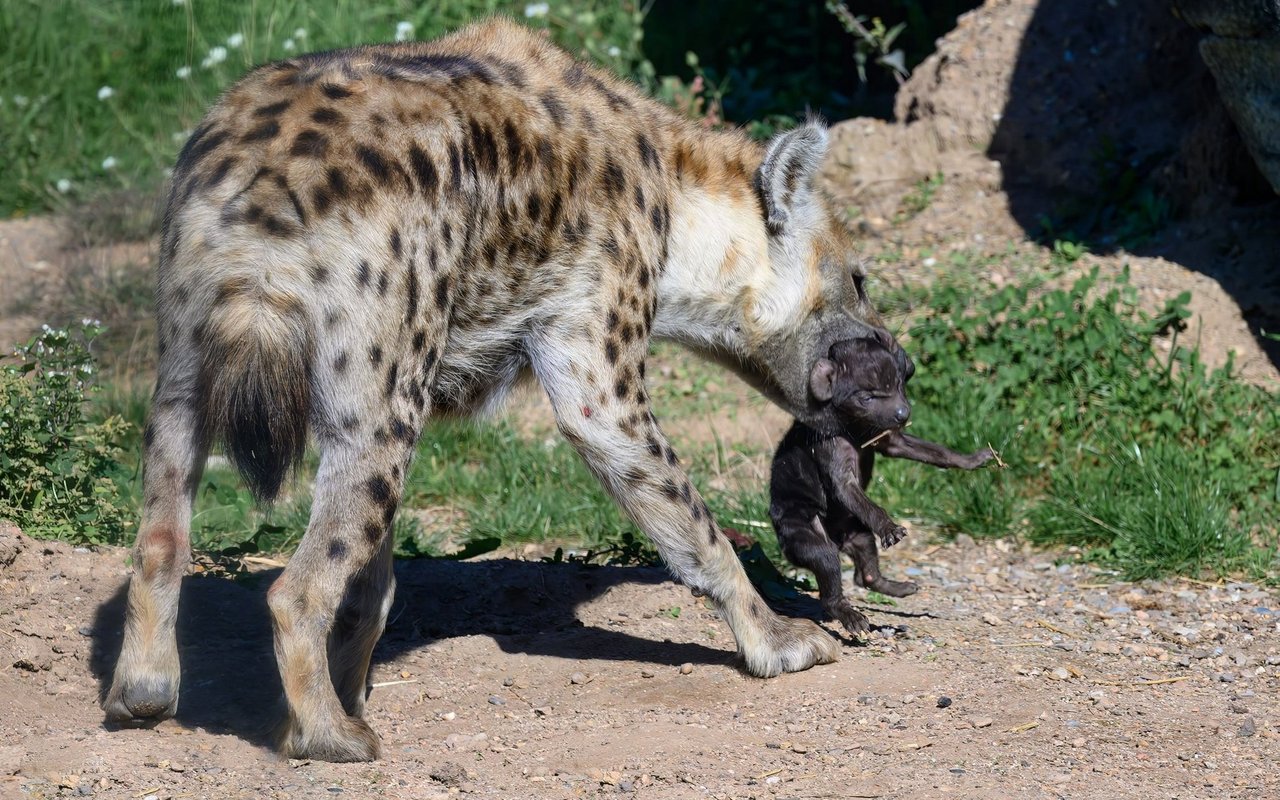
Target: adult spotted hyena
{"x":358,"y":240}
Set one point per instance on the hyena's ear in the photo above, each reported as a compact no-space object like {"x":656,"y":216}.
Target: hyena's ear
{"x":785,"y":179}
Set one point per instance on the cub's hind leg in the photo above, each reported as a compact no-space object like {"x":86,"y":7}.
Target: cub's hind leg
{"x":861,"y":547}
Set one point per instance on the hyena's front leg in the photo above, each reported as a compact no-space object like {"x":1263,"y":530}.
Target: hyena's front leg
{"x":602,"y":409}
{"x":329,"y":605}
{"x":144,"y":688}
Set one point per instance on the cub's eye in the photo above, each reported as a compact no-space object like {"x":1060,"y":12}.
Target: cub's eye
{"x":864,"y":397}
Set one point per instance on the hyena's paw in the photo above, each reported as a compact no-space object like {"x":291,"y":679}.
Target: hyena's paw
{"x":893,"y":588}
{"x":789,"y":645}
{"x":346,"y":739}
{"x":141,"y":699}
{"x":853,"y":620}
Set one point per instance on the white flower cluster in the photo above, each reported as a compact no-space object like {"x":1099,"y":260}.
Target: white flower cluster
{"x":537,"y":10}
{"x":105,"y":93}
{"x":216,"y":56}
{"x":404,"y":31}
{"x":235,"y":40}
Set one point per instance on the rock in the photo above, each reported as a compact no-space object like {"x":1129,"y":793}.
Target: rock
{"x":508,"y":681}
{"x":686,"y":668}
{"x":991,"y":619}
{"x":1248,"y":727}
{"x":1238,"y":708}
{"x":465,"y":742}
{"x":981,"y":722}
{"x":646,"y":673}
{"x":449,"y":773}
{"x":578,"y":679}
{"x":944,"y":702}
{"x":495,"y":700}
{"x":1059,"y":673}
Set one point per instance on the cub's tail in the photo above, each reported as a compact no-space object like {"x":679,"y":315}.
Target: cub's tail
{"x":256,"y":381}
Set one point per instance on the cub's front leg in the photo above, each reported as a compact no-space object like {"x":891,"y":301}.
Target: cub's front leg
{"x":850,"y":470}
{"x":602,"y":408}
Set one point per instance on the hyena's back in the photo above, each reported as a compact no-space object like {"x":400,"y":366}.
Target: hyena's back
{"x":358,"y":238}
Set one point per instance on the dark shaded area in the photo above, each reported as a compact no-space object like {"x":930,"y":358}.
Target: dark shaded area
{"x":230,"y":683}
{"x":786,"y":57}
{"x":1114,"y":131}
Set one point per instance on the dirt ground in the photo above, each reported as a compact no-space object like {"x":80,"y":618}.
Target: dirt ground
{"x":1012,"y":674}
{"x":1008,"y":675}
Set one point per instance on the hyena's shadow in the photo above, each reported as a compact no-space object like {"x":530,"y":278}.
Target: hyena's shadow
{"x":229,"y":678}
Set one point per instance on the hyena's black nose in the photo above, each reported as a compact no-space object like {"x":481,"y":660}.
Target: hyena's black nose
{"x":902,"y":413}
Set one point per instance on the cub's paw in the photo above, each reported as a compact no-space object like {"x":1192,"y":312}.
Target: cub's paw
{"x":975,"y":460}
{"x":853,"y":620}
{"x":891,"y":536}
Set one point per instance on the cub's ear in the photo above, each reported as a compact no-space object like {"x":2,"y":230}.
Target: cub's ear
{"x":785,"y":180}
{"x":822,"y":380}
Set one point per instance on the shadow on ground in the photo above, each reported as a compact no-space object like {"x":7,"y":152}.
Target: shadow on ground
{"x":1113,"y":129}
{"x":229,"y":678}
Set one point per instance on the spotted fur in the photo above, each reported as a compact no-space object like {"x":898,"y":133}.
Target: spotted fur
{"x":359,"y":240}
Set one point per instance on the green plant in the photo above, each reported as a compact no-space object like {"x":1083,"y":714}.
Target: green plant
{"x":919,"y":198}
{"x":60,"y":474}
{"x":1159,"y":464}
{"x":874,"y":42}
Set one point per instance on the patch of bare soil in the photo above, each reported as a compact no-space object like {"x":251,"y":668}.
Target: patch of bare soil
{"x":1008,"y":675}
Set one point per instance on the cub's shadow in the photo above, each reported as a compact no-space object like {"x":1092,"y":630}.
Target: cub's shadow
{"x":229,"y":679}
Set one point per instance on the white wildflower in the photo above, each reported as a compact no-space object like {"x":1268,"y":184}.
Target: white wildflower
{"x":299,"y":33}
{"x":183,"y":72}
{"x":235,"y":40}
{"x":614,"y":51}
{"x":404,"y":31}
{"x":105,"y":93}
{"x":536,"y":10}
{"x":20,"y":100}
{"x":290,"y":46}
{"x":216,"y":56}
{"x":63,"y":185}
{"x":109,"y":162}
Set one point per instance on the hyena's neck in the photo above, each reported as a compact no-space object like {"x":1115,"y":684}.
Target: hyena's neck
{"x":718,"y":253}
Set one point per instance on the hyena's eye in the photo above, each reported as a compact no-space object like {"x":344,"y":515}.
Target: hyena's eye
{"x":858,"y":281}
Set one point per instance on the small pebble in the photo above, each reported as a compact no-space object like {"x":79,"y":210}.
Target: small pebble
{"x":646,"y":673}
{"x":1248,"y":727}
{"x":981,"y":722}
{"x":944,"y":702}
{"x":577,"y":678}
{"x":1059,"y":673}
{"x":686,"y":668}
{"x":495,"y":700}
{"x":991,"y":619}
{"x":508,"y":681}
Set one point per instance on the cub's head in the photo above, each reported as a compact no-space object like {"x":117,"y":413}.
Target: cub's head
{"x":862,"y":382}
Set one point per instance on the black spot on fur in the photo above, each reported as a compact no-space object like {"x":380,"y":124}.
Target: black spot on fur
{"x":611,"y":352}
{"x":334,"y":92}
{"x":319,"y":274}
{"x":337,"y":550}
{"x":424,"y":172}
{"x":442,"y":292}
{"x":362,"y":274}
{"x":555,"y":108}
{"x":397,"y":247}
{"x":411,"y":293}
{"x":272,"y":110}
{"x":515,"y":150}
{"x":204,"y":141}
{"x":393,"y":374}
{"x":401,"y":430}
{"x":419,"y":341}
{"x":326,"y":116}
{"x":310,"y":144}
{"x":373,"y":532}
{"x":220,"y":172}
{"x":648,"y":155}
{"x":263,"y":133}
{"x":375,"y":163}
{"x":614,"y":179}
{"x":620,"y":388}
{"x":379,"y":490}
{"x":484,"y":146}
{"x":456,"y":67}
{"x":340,"y":363}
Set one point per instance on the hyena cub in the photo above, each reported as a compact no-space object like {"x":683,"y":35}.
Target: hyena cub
{"x":818,"y":501}
{"x":358,"y":240}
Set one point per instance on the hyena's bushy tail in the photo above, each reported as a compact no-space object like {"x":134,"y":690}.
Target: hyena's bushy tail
{"x":256,"y":382}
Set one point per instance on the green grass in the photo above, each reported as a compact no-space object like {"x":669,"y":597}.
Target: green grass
{"x":59,"y":127}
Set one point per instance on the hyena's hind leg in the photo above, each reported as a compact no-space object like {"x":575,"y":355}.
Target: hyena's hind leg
{"x":361,"y":618}
{"x":344,"y":554}
{"x":145,"y":686}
